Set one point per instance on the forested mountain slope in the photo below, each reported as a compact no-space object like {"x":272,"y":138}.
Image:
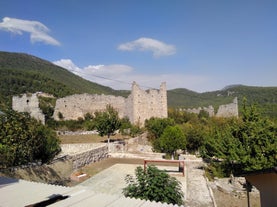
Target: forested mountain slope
{"x":264,"y":97}
{"x":21,"y":73}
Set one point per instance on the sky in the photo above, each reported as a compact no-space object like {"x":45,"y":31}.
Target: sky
{"x":200,"y":45}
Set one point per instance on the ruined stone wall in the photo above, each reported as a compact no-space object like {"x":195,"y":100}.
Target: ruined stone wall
{"x":228,"y":110}
{"x":76,"y":106}
{"x":28,"y":103}
{"x":139,"y":106}
{"x":209,"y":110}
{"x":146,"y":104}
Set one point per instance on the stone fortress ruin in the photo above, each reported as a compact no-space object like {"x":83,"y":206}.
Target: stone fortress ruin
{"x":28,"y":103}
{"x":138,"y":106}
{"x":227,"y":110}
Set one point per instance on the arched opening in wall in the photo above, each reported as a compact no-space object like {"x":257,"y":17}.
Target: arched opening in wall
{"x":65,"y":106}
{"x":27,"y":101}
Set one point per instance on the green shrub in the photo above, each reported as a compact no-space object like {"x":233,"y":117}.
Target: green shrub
{"x":154,"y":185}
{"x":24,"y":139}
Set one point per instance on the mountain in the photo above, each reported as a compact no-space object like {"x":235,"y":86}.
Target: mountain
{"x":21,"y":73}
{"x":264,"y":97}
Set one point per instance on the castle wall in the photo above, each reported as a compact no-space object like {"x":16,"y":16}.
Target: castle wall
{"x":147,"y":104}
{"x":76,"y":106}
{"x":28,"y":103}
{"x":228,"y":110}
{"x":139,"y":106}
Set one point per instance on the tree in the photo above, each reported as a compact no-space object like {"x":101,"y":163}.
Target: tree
{"x":171,"y":140}
{"x":23,"y":139}
{"x":194,"y":136}
{"x":258,"y":137}
{"x":156,"y":126}
{"x":107,"y":122}
{"x":154,"y":185}
{"x":246,"y":145}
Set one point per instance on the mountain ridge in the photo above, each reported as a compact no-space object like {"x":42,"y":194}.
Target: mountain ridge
{"x":22,"y":73}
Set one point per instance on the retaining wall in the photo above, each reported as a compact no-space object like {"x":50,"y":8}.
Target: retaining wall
{"x":84,"y":154}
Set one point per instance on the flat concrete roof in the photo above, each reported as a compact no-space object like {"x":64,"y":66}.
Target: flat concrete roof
{"x":103,"y":189}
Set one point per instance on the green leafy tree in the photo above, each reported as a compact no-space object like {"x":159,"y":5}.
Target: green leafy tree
{"x":154,"y":185}
{"x":107,"y":122}
{"x":127,"y":128}
{"x":195,"y":136}
{"x":172,"y":139}
{"x":257,"y":136}
{"x":156,"y":126}
{"x":24,"y":139}
{"x":246,"y":145}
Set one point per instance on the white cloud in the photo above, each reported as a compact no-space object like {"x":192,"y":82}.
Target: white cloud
{"x":38,"y":31}
{"x":67,"y":64}
{"x":121,"y":77}
{"x":157,"y":47}
{"x":110,"y":70}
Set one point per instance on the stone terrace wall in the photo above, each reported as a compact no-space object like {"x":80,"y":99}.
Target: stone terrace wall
{"x":84,"y":154}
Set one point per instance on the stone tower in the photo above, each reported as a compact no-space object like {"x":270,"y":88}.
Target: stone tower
{"x":142,"y":105}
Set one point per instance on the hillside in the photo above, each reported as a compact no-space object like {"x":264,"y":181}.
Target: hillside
{"x":264,"y":97}
{"x":21,"y":73}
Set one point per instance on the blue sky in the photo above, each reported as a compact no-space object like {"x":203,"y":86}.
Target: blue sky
{"x":201,"y":45}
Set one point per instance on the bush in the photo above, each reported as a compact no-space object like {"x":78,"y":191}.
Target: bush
{"x":248,"y":144}
{"x":24,"y":139}
{"x":171,"y":140}
{"x":154,"y":185}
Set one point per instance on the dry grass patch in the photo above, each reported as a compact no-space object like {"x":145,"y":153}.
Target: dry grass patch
{"x":88,"y":138}
{"x":97,"y":167}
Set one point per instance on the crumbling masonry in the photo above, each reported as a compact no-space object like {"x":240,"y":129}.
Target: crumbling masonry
{"x":227,"y":110}
{"x":139,"y":106}
{"x":28,"y":103}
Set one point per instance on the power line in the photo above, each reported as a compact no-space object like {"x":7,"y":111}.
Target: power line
{"x":115,"y":80}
